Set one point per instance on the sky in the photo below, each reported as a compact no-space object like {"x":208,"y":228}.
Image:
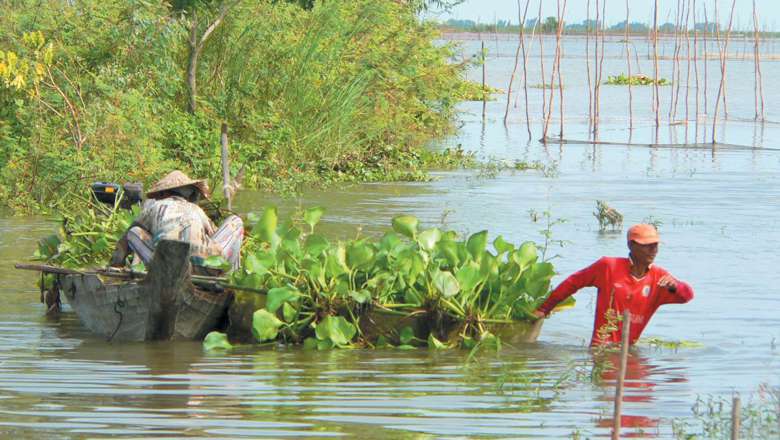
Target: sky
{"x":487,"y":11}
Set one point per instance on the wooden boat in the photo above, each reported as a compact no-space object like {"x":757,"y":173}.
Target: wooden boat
{"x":163,"y":305}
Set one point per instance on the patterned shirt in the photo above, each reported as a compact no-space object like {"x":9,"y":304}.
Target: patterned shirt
{"x":174,"y":218}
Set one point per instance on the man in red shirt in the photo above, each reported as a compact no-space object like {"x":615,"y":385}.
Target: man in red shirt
{"x":632,"y":283}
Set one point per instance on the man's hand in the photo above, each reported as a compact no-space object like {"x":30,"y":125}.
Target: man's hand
{"x":668,"y":282}
{"x":539,"y":314}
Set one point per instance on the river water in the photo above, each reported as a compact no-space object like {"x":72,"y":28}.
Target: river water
{"x":718,"y":210}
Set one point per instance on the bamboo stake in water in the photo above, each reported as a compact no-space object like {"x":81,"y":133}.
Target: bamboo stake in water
{"x":555,"y":69}
{"x":757,"y":60}
{"x":525,"y":72}
{"x":561,"y":15}
{"x":628,"y":61}
{"x":696,"y":65}
{"x":675,"y":65}
{"x":541,"y":63}
{"x":621,"y":374}
{"x":688,"y":64}
{"x":484,"y":89}
{"x":722,"y":88}
{"x":736,"y":417}
{"x":587,"y":67}
{"x":656,"y":95}
{"x":521,"y":20}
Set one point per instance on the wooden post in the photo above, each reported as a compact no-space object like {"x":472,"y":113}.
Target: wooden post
{"x":525,"y":71}
{"x":484,"y":74}
{"x":722,"y":88}
{"x":520,"y":48}
{"x":656,"y":97}
{"x":628,"y":61}
{"x":736,"y":417}
{"x":587,"y":67}
{"x":757,"y":60}
{"x":621,"y":373}
{"x":541,"y":63}
{"x":225,"y":166}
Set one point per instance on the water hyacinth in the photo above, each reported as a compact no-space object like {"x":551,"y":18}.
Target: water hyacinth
{"x":407,"y":287}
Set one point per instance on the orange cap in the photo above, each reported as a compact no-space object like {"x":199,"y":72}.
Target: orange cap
{"x":643,"y":234}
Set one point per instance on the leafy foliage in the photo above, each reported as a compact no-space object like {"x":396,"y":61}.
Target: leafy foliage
{"x":635,"y":80}
{"x":337,"y":91}
{"x":324,"y":293}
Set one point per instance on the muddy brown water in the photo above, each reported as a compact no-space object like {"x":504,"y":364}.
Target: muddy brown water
{"x":718,"y":209}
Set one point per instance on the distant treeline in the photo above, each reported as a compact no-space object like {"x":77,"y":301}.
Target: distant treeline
{"x":550,"y":25}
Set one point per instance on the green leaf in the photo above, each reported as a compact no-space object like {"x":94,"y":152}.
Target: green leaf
{"x":266,"y":225}
{"x":526,"y":255}
{"x":216,"y":341}
{"x":502,"y":246}
{"x":335,"y":329}
{"x":428,"y":239}
{"x":315,"y":244}
{"x":216,"y":262}
{"x":450,"y":251}
{"x":435,"y":343}
{"x":279,"y":296}
{"x":406,"y":335}
{"x":477,"y":244}
{"x":446,"y":283}
{"x":253,"y":265}
{"x":289,"y":312}
{"x":310,"y":343}
{"x":324,"y":345}
{"x":313,"y":215}
{"x":361,"y":296}
{"x":406,"y":225}
{"x":359,"y":254}
{"x":47,"y":247}
{"x":265,"y":326}
{"x":100,"y":245}
{"x":468,"y":277}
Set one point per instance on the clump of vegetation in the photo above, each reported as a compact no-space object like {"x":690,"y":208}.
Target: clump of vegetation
{"x":636,"y":80}
{"x":760,"y":418}
{"x":407,"y":287}
{"x":331,"y":95}
{"x":609,"y":218}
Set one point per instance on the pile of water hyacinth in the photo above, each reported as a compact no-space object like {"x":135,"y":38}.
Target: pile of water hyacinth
{"x":409,"y":287}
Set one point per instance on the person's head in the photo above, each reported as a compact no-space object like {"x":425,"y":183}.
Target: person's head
{"x":179,"y":184}
{"x":643,"y":242}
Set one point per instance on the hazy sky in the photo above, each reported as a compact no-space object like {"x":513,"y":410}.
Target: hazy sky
{"x":486,"y":11}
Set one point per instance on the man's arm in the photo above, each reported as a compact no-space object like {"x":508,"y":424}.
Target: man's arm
{"x":584,"y":278}
{"x":673,"y":291}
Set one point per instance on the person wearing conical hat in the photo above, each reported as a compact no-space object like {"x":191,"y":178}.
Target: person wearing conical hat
{"x":632,"y":283}
{"x":171,"y":213}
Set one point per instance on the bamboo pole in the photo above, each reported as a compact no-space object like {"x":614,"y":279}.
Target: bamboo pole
{"x":722,"y":87}
{"x":600,"y":64}
{"x":561,"y":15}
{"x":525,"y":75}
{"x":596,"y":71}
{"x":687,"y":64}
{"x":587,"y":67}
{"x":696,"y":64}
{"x":675,"y":65}
{"x":628,"y":62}
{"x":520,"y":44}
{"x":225,"y":165}
{"x":706,"y":57}
{"x":757,"y":60}
{"x":736,"y":417}
{"x":621,"y":374}
{"x":656,"y":95}
{"x":555,"y":69}
{"x":541,"y":63}
{"x":484,"y":89}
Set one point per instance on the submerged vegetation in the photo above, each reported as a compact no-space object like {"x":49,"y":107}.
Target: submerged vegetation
{"x":307,"y":93}
{"x":636,"y":80}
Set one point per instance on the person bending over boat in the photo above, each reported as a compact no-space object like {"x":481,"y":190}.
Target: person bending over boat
{"x":633,"y":283}
{"x":171,"y":213}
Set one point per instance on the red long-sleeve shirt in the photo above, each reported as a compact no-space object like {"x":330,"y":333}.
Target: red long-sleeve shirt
{"x":618,"y":290}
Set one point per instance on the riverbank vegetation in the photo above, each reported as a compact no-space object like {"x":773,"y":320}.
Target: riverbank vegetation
{"x":308,"y":93}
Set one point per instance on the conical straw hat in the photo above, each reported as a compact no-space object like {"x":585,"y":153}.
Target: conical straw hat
{"x":177,"y":179}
